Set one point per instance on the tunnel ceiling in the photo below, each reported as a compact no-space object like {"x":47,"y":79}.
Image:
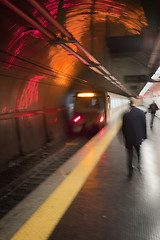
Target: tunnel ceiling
{"x":105,"y":38}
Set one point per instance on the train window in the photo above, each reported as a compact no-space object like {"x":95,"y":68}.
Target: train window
{"x":72,"y":100}
{"x":83,"y":104}
{"x":94,"y":102}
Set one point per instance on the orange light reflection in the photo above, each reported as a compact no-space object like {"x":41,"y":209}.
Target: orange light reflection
{"x":79,"y":17}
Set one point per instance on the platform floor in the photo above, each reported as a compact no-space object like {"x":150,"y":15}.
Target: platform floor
{"x":112,"y":207}
{"x":109,"y":206}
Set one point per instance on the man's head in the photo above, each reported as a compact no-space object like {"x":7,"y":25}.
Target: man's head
{"x":132,"y":102}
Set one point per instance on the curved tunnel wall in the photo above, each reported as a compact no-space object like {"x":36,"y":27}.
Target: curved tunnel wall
{"x":37,"y":75}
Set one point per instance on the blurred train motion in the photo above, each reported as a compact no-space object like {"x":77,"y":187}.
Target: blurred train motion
{"x":93,"y":110}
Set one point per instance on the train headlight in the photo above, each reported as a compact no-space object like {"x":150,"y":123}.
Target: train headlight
{"x":89,"y":94}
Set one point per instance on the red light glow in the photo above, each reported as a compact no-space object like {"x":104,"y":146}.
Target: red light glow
{"x":102,"y":132}
{"x":77,"y":119}
{"x":20,"y":39}
{"x":56,"y":119}
{"x":4,"y":110}
{"x":30,"y":93}
{"x":101,"y":119}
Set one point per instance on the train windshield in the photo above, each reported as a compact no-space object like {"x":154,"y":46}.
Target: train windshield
{"x":89,"y":104}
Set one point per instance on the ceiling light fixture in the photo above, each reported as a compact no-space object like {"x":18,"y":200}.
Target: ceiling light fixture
{"x":145,"y":89}
{"x":156,"y":75}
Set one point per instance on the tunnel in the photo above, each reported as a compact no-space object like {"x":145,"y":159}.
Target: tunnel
{"x":51,"y":49}
{"x":79,"y":80}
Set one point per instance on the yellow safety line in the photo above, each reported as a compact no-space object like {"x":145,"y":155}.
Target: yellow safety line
{"x":41,"y":224}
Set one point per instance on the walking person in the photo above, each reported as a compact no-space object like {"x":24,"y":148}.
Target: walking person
{"x":152,"y":109}
{"x":134,"y":132}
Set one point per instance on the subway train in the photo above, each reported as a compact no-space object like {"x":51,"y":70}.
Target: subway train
{"x":93,"y":110}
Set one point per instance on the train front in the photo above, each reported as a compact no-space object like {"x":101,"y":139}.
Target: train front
{"x":89,"y":112}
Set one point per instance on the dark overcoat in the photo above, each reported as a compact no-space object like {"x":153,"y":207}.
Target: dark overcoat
{"x":134,"y":127}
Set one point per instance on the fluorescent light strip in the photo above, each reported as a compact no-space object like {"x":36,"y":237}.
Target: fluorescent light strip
{"x":113,"y":78}
{"x":104,"y":70}
{"x":146,"y":87}
{"x":156,"y":75}
{"x":107,"y":78}
{"x":96,"y":70}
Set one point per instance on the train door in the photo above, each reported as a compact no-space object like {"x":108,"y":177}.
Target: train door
{"x":108,"y":108}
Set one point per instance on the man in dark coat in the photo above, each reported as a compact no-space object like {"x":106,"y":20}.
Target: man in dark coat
{"x":134,"y":131}
{"x":152,"y":109}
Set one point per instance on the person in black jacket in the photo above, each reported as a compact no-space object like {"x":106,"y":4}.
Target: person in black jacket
{"x":134,"y":131}
{"x":152,"y":109}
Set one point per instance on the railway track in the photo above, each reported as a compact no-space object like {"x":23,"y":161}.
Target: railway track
{"x":17,"y":189}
